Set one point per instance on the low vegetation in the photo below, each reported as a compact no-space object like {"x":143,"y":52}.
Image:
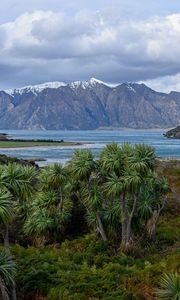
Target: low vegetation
{"x":93,"y":229}
{"x":22,"y":144}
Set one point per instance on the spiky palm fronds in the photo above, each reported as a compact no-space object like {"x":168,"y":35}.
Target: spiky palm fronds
{"x":143,"y":159}
{"x":19,"y":180}
{"x":145,"y":204}
{"x":169,"y":287}
{"x":38,"y":223}
{"x":113,"y":185}
{"x":7,"y":268}
{"x":7,"y":272}
{"x":53,"y":176}
{"x":111,"y":159}
{"x":6,"y":206}
{"x":82,"y":164}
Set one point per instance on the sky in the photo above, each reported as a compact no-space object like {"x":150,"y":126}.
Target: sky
{"x":113,"y":40}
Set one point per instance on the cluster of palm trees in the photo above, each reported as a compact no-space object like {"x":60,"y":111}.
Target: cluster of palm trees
{"x":120,"y":192}
{"x":16,"y":187}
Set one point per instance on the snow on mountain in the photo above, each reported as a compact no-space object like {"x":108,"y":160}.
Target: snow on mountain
{"x":129,"y":85}
{"x":88,"y":84}
{"x":35,"y":89}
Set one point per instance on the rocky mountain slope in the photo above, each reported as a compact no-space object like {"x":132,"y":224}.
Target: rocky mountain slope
{"x":88,"y":105}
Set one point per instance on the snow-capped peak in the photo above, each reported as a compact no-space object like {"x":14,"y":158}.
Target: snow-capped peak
{"x":129,"y":85}
{"x":36,"y":88}
{"x":94,"y":81}
{"x":86,"y":84}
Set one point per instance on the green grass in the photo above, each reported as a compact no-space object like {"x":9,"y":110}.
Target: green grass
{"x":21,"y":144}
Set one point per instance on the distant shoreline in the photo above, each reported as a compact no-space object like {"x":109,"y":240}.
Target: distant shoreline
{"x":13,"y":144}
{"x":96,"y":129}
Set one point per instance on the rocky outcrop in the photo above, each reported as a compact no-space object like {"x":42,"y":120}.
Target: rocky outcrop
{"x":5,"y":160}
{"x":173,"y":133}
{"x":88,"y":105}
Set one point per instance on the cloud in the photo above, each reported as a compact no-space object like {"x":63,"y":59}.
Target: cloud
{"x":45,"y":45}
{"x":166,"y":83}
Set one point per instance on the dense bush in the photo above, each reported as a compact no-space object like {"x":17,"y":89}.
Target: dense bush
{"x":84,"y":269}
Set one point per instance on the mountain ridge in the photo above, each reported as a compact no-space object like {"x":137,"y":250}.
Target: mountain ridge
{"x":77,"y":83}
{"x":56,"y":84}
{"x":90,"y":104}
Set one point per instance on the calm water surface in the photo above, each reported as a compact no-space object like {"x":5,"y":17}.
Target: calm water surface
{"x":164,"y":147}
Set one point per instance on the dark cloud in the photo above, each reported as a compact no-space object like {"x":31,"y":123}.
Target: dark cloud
{"x":45,"y":46}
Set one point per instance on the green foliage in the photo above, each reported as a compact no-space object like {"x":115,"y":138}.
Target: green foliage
{"x":18,"y":180}
{"x":36,"y":270}
{"x":6,"y":206}
{"x":7,"y":268}
{"x":53,"y":177}
{"x":169,"y":287}
{"x":7,"y":272}
{"x":169,"y":229}
{"x":118,"y":190}
{"x":50,"y":210}
{"x":82,"y":164}
{"x":85,"y":269}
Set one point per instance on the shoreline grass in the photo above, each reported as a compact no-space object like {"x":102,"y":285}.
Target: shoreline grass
{"x":22,"y":144}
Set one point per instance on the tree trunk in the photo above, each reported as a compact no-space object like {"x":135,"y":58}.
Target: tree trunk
{"x":124,"y":223}
{"x":101,"y":228}
{"x":14,"y":297}
{"x":152,"y":222}
{"x":7,"y":249}
{"x":124,"y":231}
{"x":151,"y":225}
{"x":38,"y":241}
{"x":3,"y":291}
{"x":6,"y":237}
{"x":126,"y":240}
{"x":61,"y":200}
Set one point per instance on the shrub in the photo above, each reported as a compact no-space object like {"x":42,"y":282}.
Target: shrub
{"x":169,"y":287}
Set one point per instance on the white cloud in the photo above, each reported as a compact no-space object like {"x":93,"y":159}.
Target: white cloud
{"x":165,"y":84}
{"x":45,"y":45}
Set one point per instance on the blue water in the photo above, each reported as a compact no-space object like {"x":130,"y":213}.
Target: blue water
{"x":95,"y":140}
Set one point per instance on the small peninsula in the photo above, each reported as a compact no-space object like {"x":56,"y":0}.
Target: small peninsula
{"x":173,"y":133}
{"x":7,"y":142}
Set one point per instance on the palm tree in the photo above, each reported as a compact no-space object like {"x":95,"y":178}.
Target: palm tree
{"x":6,"y":216}
{"x":169,"y":287}
{"x":93,"y":199}
{"x":51,"y":207}
{"x":112,"y":160}
{"x":38,"y":225}
{"x":128,"y":167}
{"x":84,"y":169}
{"x":82,"y":165}
{"x":159,"y":187}
{"x":142,"y":159}
{"x":19,"y":180}
{"x":54,"y":178}
{"x":18,"y":183}
{"x":6,"y":212}
{"x":7,"y":272}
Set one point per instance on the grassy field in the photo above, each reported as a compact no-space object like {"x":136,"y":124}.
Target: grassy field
{"x":21,"y":144}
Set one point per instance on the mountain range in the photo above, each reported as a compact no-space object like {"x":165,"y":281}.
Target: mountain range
{"x":87,"y":105}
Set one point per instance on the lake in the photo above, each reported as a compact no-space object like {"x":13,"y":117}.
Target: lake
{"x":95,"y":140}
